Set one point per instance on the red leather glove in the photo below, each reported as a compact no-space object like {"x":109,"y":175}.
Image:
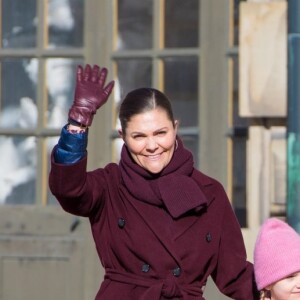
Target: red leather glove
{"x":90,"y":94}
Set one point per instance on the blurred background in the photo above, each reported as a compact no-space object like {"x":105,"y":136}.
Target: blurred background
{"x":230,"y":69}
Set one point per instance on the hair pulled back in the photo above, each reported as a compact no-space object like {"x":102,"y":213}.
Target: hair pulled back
{"x":142,"y":100}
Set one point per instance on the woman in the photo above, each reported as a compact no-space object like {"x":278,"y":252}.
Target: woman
{"x":160,"y":226}
{"x":277,"y":261}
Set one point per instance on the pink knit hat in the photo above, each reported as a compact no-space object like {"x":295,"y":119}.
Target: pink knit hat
{"x":276,"y":253}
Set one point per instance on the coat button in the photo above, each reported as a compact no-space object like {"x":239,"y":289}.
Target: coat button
{"x":145,"y":268}
{"x":121,"y":222}
{"x":176,"y":272}
{"x":208,"y":237}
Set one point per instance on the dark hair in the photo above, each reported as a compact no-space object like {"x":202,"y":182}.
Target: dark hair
{"x":141,"y":100}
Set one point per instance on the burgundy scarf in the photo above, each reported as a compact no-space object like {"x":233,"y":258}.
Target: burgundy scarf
{"x":173,"y":188}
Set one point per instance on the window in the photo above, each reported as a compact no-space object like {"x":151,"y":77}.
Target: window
{"x":41,"y":46}
{"x":156,"y":45}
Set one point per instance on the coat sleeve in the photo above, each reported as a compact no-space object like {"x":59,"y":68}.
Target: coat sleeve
{"x":79,"y":192}
{"x":233,"y":274}
{"x":71,"y":147}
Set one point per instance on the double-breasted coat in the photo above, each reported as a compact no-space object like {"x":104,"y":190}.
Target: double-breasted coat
{"x":146,"y":253}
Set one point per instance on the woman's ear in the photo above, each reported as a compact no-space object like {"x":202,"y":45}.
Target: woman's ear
{"x":121,"y":134}
{"x":176,"y":124}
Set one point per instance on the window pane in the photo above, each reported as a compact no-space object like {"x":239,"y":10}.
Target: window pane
{"x":65,"y":23}
{"x":140,"y":71}
{"x":60,"y":82}
{"x":191,"y":143}
{"x":18,"y":93}
{"x":117,"y":147}
{"x":18,"y":170}
{"x":132,"y":74}
{"x":18,"y":23}
{"x":181,"y":86}
{"x":134,"y":24}
{"x":181,"y":23}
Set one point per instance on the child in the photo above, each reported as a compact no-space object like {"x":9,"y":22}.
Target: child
{"x":277,"y":261}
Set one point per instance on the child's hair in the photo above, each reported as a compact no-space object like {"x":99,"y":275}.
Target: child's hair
{"x":264,"y":294}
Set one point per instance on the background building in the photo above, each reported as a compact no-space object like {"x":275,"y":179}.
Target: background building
{"x":222,"y":63}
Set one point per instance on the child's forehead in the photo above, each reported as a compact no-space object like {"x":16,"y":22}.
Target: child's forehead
{"x":292,"y":275}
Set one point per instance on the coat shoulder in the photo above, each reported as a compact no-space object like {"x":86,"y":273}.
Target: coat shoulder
{"x":205,"y":180}
{"x":211,"y":187}
{"x":112,"y":168}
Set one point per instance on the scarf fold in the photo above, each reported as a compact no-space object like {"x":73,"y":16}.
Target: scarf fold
{"x":173,"y":188}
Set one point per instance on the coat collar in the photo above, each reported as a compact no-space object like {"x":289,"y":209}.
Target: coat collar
{"x":157,"y":218}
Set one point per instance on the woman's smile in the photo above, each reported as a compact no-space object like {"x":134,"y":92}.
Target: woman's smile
{"x":150,"y":138}
{"x":154,"y":157}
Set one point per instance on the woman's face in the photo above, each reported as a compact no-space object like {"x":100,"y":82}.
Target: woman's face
{"x":287,"y":288}
{"x":150,"y":138}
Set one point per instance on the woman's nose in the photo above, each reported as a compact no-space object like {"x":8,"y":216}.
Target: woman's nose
{"x":151,"y":144}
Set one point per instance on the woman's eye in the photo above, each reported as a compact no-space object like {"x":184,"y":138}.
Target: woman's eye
{"x":161,"y":133}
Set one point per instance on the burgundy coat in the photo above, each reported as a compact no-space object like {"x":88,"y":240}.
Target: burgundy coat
{"x":146,"y":254}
